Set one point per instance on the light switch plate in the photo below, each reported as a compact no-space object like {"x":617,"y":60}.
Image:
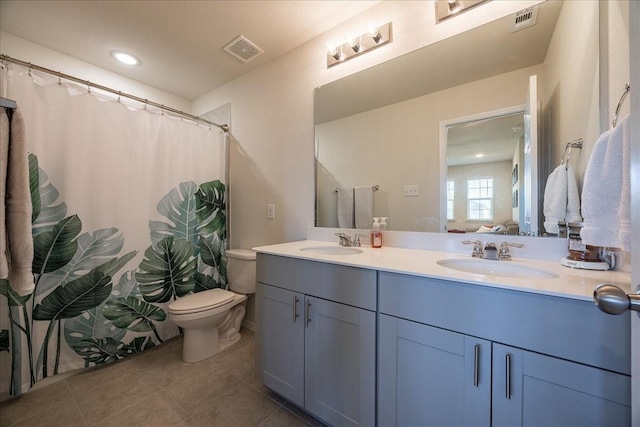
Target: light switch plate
{"x":411,"y":190}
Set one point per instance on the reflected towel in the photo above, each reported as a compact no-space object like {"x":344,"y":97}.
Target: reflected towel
{"x":555,"y":199}
{"x":345,"y":207}
{"x":363,"y":197}
{"x":606,"y":193}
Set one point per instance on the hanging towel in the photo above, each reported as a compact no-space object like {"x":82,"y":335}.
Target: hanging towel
{"x":606,"y":193}
{"x":345,"y":207}
{"x":573,"y":198}
{"x":363,"y":197}
{"x":16,"y":244}
{"x":555,"y":199}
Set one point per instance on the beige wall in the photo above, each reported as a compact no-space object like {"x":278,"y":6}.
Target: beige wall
{"x":569,"y":111}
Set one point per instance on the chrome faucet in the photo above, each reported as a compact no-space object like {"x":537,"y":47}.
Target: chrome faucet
{"x":503,"y":253}
{"x":477,"y":252}
{"x":490,"y":251}
{"x":346,"y":240}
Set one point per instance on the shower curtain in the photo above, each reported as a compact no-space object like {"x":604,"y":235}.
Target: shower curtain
{"x":129,"y":213}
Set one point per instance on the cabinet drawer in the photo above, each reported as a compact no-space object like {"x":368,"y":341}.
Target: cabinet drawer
{"x":562,"y":327}
{"x":347,"y":285}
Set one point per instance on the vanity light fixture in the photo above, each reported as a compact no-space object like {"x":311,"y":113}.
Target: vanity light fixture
{"x":355,"y":46}
{"x":125,"y":58}
{"x":448,"y":8}
{"x":454,"y":6}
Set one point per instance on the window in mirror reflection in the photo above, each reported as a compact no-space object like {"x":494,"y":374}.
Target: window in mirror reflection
{"x":450,"y":200}
{"x":480,"y":199}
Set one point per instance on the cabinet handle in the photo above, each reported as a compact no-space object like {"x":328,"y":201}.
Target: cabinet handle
{"x":476,"y":366}
{"x":508,"y":376}
{"x":295,"y":308}
{"x":307,"y":313}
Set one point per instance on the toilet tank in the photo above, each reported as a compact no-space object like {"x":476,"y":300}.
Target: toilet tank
{"x":241,"y":270}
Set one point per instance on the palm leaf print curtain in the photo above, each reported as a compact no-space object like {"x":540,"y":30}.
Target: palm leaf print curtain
{"x":129,"y":214}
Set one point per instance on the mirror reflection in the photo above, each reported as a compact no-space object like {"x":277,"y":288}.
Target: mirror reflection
{"x":381,"y":127}
{"x":484,"y":183}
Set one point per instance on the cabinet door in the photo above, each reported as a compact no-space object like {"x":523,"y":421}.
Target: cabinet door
{"x":340,"y":363}
{"x":431,"y":377}
{"x":282,"y":341}
{"x":530,"y":389}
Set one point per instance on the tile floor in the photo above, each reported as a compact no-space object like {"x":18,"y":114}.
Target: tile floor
{"x":156,"y":388}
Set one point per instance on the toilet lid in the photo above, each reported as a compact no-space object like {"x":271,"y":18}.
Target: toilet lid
{"x":201,"y":301}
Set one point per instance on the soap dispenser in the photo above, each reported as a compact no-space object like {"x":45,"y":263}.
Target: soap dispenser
{"x":376,"y":234}
{"x":383,"y":223}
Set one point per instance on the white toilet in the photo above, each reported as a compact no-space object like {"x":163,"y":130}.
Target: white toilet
{"x":211,"y":319}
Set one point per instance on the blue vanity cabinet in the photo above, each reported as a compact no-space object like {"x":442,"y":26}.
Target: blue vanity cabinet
{"x":282,"y":341}
{"x":532,"y":389}
{"x":316,"y":335}
{"x":552,"y":361}
{"x":432,"y":377}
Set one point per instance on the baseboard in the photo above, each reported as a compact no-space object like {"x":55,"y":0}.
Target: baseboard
{"x":249,"y":324}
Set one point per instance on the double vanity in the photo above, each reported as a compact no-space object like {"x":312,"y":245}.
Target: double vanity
{"x":415,"y":337}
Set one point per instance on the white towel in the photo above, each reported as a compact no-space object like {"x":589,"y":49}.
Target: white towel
{"x":555,"y":199}
{"x":345,"y":207}
{"x":363,"y":197}
{"x":606,"y":193}
{"x":573,"y":198}
{"x":16,"y":241}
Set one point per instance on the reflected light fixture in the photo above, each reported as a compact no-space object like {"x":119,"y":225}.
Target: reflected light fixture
{"x":125,"y":58}
{"x":454,"y":6}
{"x":375,"y":37}
{"x":448,"y":8}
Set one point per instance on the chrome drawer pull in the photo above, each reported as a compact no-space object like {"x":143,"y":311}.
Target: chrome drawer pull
{"x":476,"y":367}
{"x":307,"y":314}
{"x":508,"y":376}
{"x":295,"y":308}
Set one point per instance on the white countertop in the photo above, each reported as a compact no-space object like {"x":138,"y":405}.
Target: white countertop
{"x":569,"y":283}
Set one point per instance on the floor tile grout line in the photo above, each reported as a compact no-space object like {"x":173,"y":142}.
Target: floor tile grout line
{"x":73,"y":397}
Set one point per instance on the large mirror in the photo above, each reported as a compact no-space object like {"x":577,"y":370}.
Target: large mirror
{"x":382,"y":127}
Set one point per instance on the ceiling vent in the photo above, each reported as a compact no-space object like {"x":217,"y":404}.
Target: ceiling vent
{"x":524,"y":19}
{"x":243,"y":49}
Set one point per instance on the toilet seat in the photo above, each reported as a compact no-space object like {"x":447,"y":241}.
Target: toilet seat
{"x":201,"y":301}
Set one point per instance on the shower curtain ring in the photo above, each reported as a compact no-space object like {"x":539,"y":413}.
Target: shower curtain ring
{"x":119,"y":94}
{"x":88,"y":86}
{"x":59,"y":79}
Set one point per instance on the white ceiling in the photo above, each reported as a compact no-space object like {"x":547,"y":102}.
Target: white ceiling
{"x":179,"y":42}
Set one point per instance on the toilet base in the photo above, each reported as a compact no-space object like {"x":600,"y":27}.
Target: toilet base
{"x":202,"y":343}
{"x":199,"y":344}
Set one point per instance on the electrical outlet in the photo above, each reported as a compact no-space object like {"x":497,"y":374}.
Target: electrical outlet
{"x":411,"y":190}
{"x":271,"y":211}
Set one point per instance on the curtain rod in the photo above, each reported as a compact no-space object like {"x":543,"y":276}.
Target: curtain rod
{"x":5,"y":58}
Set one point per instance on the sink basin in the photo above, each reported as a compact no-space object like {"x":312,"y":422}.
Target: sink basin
{"x":496,"y":268}
{"x":332,"y":250}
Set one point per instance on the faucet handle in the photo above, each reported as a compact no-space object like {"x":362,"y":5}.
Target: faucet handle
{"x":477,"y":252}
{"x":344,"y":239}
{"x":503,"y":253}
{"x":356,"y":239}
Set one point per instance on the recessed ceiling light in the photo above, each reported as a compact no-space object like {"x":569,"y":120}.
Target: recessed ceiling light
{"x":125,"y":58}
